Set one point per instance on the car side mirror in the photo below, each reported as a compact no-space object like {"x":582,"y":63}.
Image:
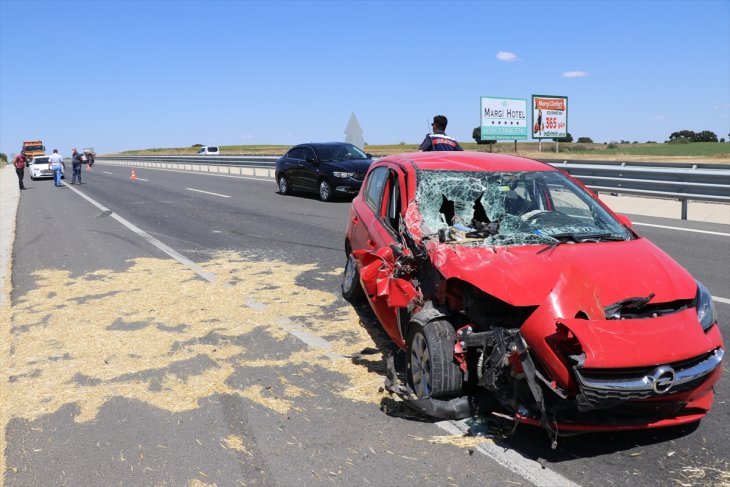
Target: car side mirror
{"x":625,"y":220}
{"x":369,"y":155}
{"x":312,"y":160}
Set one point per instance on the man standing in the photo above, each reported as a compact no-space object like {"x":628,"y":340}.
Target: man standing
{"x":19,"y":164}
{"x":438,"y":140}
{"x":76,"y":162}
{"x":56,"y":163}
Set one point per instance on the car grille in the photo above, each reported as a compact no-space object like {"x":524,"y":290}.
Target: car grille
{"x":605,"y":387}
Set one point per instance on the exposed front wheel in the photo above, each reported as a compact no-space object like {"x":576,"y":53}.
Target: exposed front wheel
{"x":284,"y":185}
{"x":432,"y":370}
{"x":351,"y":288}
{"x":325,"y":190}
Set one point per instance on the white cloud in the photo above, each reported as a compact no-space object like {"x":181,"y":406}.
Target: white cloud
{"x":660,"y":117}
{"x":247,"y":136}
{"x":575,"y":74}
{"x":506,"y":56}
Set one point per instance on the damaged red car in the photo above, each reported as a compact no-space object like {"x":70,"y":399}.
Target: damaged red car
{"x":504,"y":278}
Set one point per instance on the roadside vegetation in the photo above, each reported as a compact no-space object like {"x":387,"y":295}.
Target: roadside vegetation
{"x":718,"y":152}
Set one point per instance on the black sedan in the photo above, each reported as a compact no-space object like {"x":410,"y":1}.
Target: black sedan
{"x":328,"y":169}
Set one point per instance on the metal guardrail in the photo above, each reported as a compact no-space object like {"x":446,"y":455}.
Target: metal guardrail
{"x":679,"y":181}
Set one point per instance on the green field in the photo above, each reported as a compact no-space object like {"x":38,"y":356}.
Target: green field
{"x":695,"y":151}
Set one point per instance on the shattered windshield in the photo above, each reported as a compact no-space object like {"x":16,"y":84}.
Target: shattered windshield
{"x":511,"y":208}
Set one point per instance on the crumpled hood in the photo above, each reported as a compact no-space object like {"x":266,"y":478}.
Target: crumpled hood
{"x":611,"y":270}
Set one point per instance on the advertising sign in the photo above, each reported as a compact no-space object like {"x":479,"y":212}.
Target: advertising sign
{"x":504,"y":118}
{"x":549,"y":117}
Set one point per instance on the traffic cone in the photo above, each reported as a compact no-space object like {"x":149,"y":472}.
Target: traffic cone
{"x":133,"y":176}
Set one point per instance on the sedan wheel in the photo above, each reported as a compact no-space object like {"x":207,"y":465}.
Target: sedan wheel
{"x":284,"y":185}
{"x":325,"y":190}
{"x":432,"y":370}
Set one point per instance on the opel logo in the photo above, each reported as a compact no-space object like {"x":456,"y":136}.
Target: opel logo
{"x":662,"y":379}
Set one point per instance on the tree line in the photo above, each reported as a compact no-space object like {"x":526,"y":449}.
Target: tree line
{"x":682,"y":136}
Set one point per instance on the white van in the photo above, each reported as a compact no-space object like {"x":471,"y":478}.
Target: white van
{"x":209,"y":150}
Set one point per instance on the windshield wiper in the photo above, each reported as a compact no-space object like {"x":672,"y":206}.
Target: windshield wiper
{"x":579,"y":238}
{"x":561,"y":239}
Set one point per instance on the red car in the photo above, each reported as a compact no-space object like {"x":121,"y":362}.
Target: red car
{"x":505,"y":278}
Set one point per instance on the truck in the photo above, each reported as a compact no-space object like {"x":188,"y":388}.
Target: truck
{"x":32,"y":148}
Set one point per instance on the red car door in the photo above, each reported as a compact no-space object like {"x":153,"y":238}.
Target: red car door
{"x":382,"y":209}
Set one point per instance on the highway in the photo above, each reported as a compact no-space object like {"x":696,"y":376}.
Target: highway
{"x":188,"y":329}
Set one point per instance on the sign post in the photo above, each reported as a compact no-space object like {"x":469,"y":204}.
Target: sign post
{"x":503,"y":119}
{"x":549,"y":117}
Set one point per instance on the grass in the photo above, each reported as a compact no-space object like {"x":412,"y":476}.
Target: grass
{"x":697,"y":151}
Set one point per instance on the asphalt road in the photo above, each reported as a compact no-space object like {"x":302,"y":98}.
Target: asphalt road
{"x":187,"y":329}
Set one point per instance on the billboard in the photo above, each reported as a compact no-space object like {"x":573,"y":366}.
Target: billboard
{"x":549,"y":117}
{"x":503,"y":118}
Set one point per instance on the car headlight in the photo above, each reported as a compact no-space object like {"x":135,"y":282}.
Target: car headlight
{"x":705,"y":307}
{"x":343,"y":175}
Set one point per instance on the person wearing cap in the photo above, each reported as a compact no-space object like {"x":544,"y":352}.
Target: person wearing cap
{"x":438,"y":140}
{"x":76,"y":165}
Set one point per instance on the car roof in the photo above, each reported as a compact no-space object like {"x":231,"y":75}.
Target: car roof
{"x":468,"y":161}
{"x":320,"y":144}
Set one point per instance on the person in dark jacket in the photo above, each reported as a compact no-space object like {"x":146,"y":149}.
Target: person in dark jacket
{"x":76,"y":165}
{"x":438,"y":140}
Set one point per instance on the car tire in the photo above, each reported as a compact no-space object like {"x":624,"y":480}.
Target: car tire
{"x":432,"y":370}
{"x":325,"y":190}
{"x":284,"y":187}
{"x":351,"y":288}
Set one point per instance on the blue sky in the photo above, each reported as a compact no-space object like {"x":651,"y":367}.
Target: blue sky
{"x":121,"y":75}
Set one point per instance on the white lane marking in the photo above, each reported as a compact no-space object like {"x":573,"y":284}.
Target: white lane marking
{"x":310,"y":339}
{"x":142,"y":179}
{"x":107,"y":172}
{"x":146,"y":236}
{"x":721,"y":300}
{"x":683,"y":229}
{"x":261,"y":178}
{"x":208,"y":192}
{"x":530,"y":470}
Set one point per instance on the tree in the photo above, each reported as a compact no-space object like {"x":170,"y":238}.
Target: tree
{"x":705,"y":136}
{"x":3,"y":157}
{"x":585,"y":140}
{"x":690,"y":136}
{"x":567,"y":138}
{"x":476,"y":134}
{"x":682,"y":136}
